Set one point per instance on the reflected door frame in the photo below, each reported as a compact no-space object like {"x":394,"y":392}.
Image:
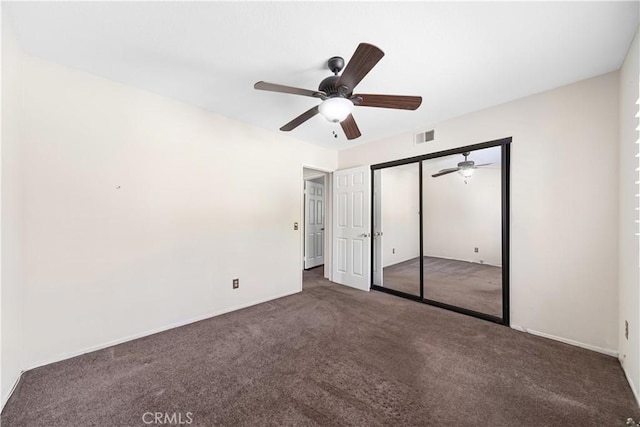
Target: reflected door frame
{"x":505,"y":144}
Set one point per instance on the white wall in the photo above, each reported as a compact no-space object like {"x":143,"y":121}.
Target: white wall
{"x":11,"y":225}
{"x":629,"y":297}
{"x":139,"y":212}
{"x":459,"y":217}
{"x":400,"y":214}
{"x":564,"y":219}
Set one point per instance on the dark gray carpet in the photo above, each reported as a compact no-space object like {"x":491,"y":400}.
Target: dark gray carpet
{"x":331,"y":356}
{"x":464,"y":284}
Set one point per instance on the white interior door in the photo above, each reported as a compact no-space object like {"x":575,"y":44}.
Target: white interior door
{"x":313,"y":224}
{"x":377,"y":228}
{"x":352,"y":227}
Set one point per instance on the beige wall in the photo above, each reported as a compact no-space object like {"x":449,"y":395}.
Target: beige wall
{"x":11,"y":224}
{"x":564,"y":203}
{"x":139,"y":212}
{"x":629,"y":297}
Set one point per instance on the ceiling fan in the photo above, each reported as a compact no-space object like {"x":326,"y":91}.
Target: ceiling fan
{"x":464,"y":168}
{"x":336,"y":92}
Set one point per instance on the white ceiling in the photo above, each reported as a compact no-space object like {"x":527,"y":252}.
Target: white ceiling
{"x":460,"y":57}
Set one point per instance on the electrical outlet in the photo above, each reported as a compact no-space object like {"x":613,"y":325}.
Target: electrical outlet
{"x":295,"y":225}
{"x":236,"y":283}
{"x":393,"y":251}
{"x":626,"y":329}
{"x":475,"y":250}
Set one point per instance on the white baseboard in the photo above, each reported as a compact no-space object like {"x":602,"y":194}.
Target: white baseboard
{"x":13,"y":388}
{"x":632,"y":385}
{"x":608,"y":352}
{"x":64,"y":356}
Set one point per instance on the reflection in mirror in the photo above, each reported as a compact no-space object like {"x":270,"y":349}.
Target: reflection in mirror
{"x":462,"y":240}
{"x":397,"y":228}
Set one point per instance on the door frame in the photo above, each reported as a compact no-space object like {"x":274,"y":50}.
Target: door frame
{"x":505,"y":144}
{"x":315,"y":180}
{"x":328,"y":218}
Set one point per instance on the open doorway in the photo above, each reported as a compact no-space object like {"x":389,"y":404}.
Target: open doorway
{"x":316,"y":225}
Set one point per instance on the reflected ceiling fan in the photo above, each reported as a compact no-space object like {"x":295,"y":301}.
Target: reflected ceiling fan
{"x":336,"y":92}
{"x":465,"y":168}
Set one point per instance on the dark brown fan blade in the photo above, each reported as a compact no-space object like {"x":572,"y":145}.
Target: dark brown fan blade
{"x":445,"y":171}
{"x":272,"y":87}
{"x":388,"y":101}
{"x":350,"y":127}
{"x":484,"y":164}
{"x":363,"y":60}
{"x":300,"y":119}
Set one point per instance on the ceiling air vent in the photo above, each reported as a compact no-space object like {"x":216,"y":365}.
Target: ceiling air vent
{"x":423,"y":137}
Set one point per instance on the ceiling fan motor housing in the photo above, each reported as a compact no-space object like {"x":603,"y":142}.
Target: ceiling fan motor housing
{"x":328,"y":86}
{"x":466,"y":164}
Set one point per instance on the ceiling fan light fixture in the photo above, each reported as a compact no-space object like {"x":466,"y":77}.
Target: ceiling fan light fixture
{"x":335,"y":109}
{"x":466,"y":172}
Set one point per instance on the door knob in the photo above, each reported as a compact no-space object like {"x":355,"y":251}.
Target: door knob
{"x":365,"y":235}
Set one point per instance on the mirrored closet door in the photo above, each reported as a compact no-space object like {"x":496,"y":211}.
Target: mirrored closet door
{"x":441,"y":229}
{"x":396,"y":233}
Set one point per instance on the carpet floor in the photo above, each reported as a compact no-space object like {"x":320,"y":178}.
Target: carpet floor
{"x":463,"y":284}
{"x":330,"y":356}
